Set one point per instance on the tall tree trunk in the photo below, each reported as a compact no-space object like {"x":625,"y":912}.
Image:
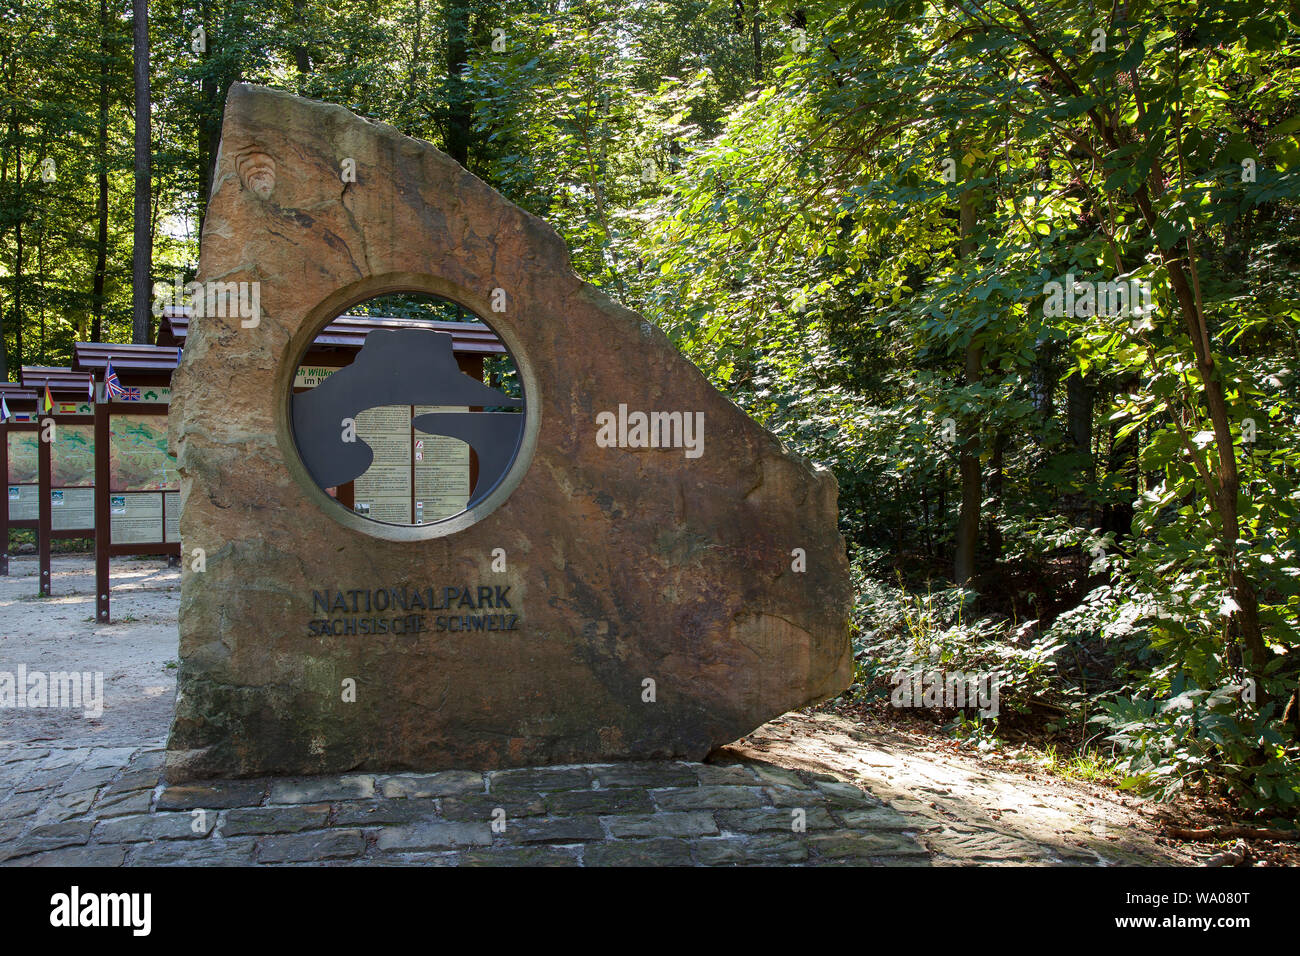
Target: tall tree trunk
{"x":4,"y":346}
{"x":758,"y":45}
{"x":943,"y":497}
{"x":925,"y":519}
{"x":101,"y":203}
{"x":1000,"y":441}
{"x":208,"y":129}
{"x":1080,"y":397}
{"x":900,"y":535}
{"x":40,"y":285}
{"x":458,"y":105}
{"x":209,"y":136}
{"x":416,"y":37}
{"x":301,"y":55}
{"x":1078,"y":413}
{"x":18,"y":260}
{"x":142,"y":250}
{"x":1226,"y":477}
{"x":968,"y":520}
{"x":1045,"y":381}
{"x":1122,"y":465}
{"x":15,"y":144}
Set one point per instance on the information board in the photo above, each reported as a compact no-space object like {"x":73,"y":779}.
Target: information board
{"x":23,"y":464}
{"x":441,"y":471}
{"x":137,"y":454}
{"x":383,"y":493}
{"x":136,"y":517}
{"x":72,"y":508}
{"x":24,"y":502}
{"x":72,"y":457}
{"x":172,"y":508}
{"x":414,"y":478}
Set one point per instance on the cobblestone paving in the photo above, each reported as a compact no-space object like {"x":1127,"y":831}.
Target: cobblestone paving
{"x":106,"y":807}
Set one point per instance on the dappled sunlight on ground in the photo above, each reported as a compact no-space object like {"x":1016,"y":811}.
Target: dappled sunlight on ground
{"x":965,"y":807}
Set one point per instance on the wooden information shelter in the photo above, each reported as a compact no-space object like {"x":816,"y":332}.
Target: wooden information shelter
{"x":129,"y":497}
{"x":19,"y":432}
{"x":137,"y":489}
{"x":63,"y":437}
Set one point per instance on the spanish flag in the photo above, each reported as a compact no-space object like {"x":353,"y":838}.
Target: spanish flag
{"x":49,"y":401}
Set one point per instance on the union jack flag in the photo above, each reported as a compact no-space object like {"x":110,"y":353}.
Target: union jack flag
{"x":111,"y":384}
{"x":130,"y":394}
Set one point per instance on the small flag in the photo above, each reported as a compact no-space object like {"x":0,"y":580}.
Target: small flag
{"x":130,"y":394}
{"x":4,"y":410}
{"x":49,"y":401}
{"x":111,"y":384}
{"x":90,"y":387}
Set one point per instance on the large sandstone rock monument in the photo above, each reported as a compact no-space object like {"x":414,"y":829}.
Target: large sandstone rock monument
{"x":641,"y":572}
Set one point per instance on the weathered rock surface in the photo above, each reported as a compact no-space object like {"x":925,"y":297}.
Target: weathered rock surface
{"x":622,"y":564}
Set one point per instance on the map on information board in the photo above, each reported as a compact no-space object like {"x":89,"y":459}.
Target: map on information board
{"x":137,"y":454}
{"x":22,"y":458}
{"x":72,"y":456}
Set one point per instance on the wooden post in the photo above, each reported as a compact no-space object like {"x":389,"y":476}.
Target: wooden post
{"x":4,"y":510}
{"x":43,"y":502}
{"x":103,"y":514}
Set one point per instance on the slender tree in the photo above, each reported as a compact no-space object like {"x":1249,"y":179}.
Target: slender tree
{"x":459,"y":108}
{"x":101,"y":177}
{"x":142,"y":254}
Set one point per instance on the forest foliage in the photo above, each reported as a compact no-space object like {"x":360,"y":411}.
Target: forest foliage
{"x":1023,"y":274}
